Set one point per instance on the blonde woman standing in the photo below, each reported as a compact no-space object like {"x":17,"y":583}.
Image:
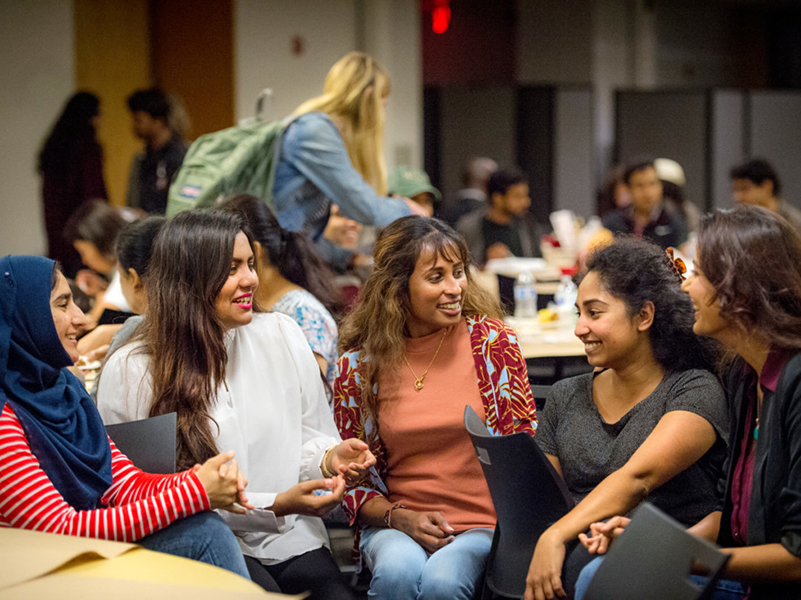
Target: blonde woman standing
{"x":332,"y":153}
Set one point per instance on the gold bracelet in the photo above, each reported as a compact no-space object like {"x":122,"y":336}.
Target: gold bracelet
{"x":324,"y":464}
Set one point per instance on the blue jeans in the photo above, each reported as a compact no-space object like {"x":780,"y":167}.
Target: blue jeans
{"x":203,"y":537}
{"x":723,"y":589}
{"x":402,"y":570}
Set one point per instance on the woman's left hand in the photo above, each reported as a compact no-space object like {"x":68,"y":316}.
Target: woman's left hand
{"x":351,"y":459}
{"x":544,"y":579}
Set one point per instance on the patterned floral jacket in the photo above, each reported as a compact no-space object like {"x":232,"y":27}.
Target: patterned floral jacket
{"x":502,"y":382}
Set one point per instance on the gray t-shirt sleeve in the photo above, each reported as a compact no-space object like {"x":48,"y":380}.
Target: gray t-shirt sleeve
{"x":700,"y":392}
{"x":548,"y":418}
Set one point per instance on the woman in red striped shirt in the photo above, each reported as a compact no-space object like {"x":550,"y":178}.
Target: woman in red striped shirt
{"x":59,"y":471}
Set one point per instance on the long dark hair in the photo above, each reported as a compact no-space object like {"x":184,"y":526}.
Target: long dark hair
{"x":377,"y":324}
{"x":291,"y":252}
{"x":752,"y":257}
{"x":637,"y":271}
{"x":73,"y":124}
{"x":183,"y":336}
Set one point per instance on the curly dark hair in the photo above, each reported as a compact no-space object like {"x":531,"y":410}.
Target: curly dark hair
{"x":752,"y":257}
{"x":637,"y":271}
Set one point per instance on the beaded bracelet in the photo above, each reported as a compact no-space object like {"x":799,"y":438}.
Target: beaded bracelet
{"x":388,"y":514}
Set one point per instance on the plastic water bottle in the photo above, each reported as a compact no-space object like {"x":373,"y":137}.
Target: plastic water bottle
{"x":565,"y":297}
{"x":525,"y":296}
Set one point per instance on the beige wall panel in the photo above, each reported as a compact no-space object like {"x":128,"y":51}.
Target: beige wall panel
{"x":112,"y":59}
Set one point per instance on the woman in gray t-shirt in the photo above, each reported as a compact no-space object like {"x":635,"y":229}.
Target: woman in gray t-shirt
{"x":650,"y":422}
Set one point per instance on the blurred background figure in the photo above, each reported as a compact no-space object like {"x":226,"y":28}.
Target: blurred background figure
{"x":71,"y":166}
{"x":671,"y":174}
{"x":160,"y":122}
{"x":473,"y":195}
{"x":614,"y":193}
{"x":92,"y":230}
{"x":646,"y":216}
{"x":756,"y":182}
{"x":500,"y":228}
{"x":415,"y":185}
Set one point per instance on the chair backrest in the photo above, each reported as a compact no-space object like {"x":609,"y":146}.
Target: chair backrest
{"x":528,"y":494}
{"x":149,"y":443}
{"x":651,"y":560}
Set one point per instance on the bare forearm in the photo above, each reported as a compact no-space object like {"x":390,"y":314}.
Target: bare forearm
{"x":708,"y":527}
{"x":615,"y":495}
{"x":371,"y":514}
{"x":769,"y":563}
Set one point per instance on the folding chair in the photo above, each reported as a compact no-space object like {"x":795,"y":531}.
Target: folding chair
{"x":149,"y":443}
{"x":528,"y":494}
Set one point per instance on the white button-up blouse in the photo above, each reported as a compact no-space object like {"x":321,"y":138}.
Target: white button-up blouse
{"x":274,"y":414}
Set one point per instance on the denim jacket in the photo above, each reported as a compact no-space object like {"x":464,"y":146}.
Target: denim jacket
{"x":314,"y":171}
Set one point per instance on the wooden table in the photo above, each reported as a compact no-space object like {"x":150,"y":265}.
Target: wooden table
{"x":548,"y":340}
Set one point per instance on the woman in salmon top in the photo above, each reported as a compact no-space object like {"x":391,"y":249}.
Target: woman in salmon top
{"x":423,"y":341}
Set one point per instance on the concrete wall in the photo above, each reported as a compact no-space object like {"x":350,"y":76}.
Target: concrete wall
{"x":36,"y":77}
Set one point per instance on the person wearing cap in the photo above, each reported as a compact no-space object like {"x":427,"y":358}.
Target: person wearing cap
{"x":500,"y":229}
{"x":673,"y":179}
{"x":415,"y":185}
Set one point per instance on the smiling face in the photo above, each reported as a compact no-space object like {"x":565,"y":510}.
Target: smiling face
{"x":67,"y":317}
{"x":235,"y":301}
{"x":612,"y":338}
{"x":436,"y":292}
{"x":708,"y":320}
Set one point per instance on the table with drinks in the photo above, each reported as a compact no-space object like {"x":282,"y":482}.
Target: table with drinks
{"x":544,"y":328}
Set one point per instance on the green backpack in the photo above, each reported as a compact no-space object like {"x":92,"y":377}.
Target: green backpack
{"x":238,"y":160}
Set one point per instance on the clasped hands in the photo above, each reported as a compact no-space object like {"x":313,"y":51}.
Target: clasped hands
{"x":224,"y":483}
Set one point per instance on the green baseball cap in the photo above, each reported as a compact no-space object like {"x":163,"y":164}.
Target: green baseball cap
{"x":408,"y":182}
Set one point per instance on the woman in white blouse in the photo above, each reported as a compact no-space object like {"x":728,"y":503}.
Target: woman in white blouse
{"x":241,"y":381}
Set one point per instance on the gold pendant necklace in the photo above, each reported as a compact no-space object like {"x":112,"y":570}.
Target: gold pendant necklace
{"x":418,"y":381}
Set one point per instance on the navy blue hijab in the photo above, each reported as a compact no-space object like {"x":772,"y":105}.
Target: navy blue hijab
{"x":60,"y":420}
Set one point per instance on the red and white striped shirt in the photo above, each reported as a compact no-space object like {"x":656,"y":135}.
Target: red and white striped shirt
{"x":136,"y":504}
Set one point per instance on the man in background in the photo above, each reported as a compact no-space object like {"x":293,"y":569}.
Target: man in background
{"x":155,"y":122}
{"x":646,"y":216}
{"x":500,"y":229}
{"x":756,"y":182}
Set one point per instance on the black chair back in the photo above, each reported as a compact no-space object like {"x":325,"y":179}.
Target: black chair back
{"x":651,"y":561}
{"x":528,"y":494}
{"x":149,"y":443}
